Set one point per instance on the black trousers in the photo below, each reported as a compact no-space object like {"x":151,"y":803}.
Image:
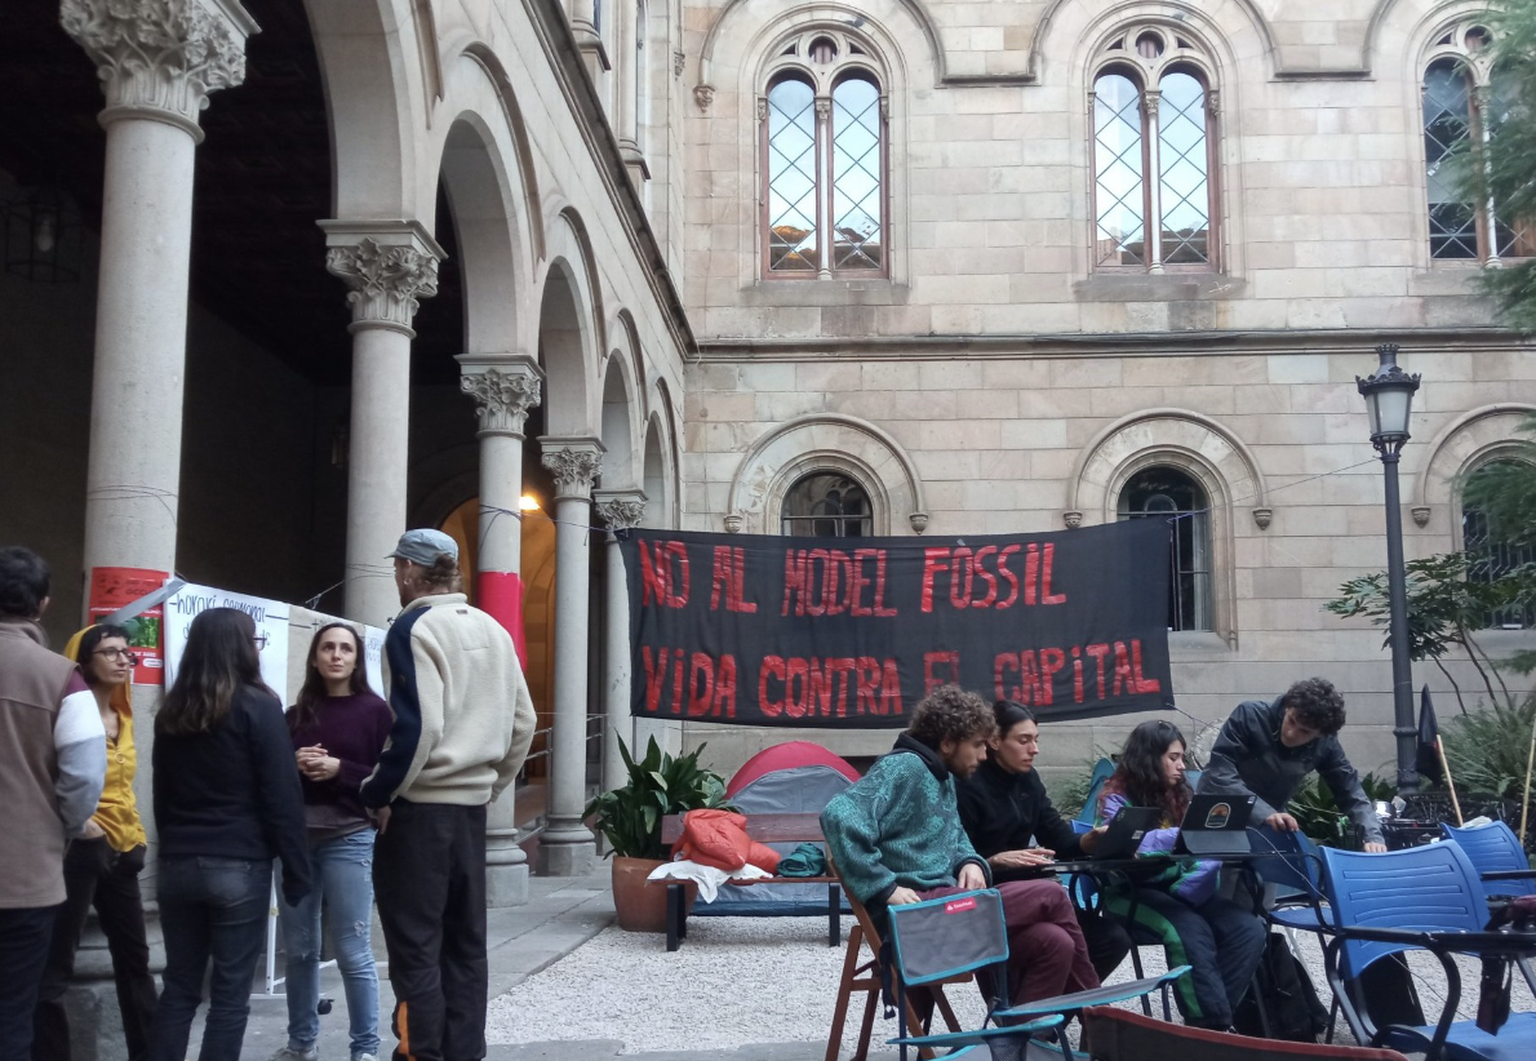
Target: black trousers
{"x":96,"y":875}
{"x":1108,"y":942}
{"x":429,"y":881}
{"x":24,"y":934}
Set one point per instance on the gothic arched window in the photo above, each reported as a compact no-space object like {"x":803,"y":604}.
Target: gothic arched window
{"x":1154,"y":157}
{"x":1466,"y":101}
{"x":1168,"y":493}
{"x":824,"y":149}
{"x":826,"y":505}
{"x":1490,"y":559}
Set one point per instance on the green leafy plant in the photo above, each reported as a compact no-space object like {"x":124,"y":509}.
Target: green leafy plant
{"x":659,"y":784}
{"x":1487,"y":749}
{"x":1320,"y":817}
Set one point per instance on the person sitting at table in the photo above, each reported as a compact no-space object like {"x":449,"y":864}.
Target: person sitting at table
{"x":1004,"y":803}
{"x":1217,"y":938}
{"x":895,"y":837}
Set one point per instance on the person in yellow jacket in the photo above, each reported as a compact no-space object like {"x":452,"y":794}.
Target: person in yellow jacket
{"x":102,"y":864}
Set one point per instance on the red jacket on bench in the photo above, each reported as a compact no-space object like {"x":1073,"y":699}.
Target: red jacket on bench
{"x":719,"y":838}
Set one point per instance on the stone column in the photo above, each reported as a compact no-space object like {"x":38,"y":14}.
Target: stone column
{"x":388,"y":265}
{"x":630,"y":51}
{"x":505,"y":387}
{"x":566,"y":848}
{"x":158,"y":61}
{"x":826,"y":199}
{"x":1154,"y":179}
{"x":621,"y":510}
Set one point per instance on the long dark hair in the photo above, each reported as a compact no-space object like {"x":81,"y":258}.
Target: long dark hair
{"x":220,"y":657}
{"x":1140,"y":777}
{"x":307,"y":707}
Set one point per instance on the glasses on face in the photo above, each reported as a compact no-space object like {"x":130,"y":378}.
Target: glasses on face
{"x":260,"y":641}
{"x":116,"y":654}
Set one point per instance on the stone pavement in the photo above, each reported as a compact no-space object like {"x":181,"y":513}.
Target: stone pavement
{"x":561,"y":915}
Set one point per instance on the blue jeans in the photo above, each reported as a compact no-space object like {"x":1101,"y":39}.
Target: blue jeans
{"x":210,"y":908}
{"x":343,"y":871}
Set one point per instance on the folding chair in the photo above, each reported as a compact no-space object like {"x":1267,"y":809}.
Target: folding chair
{"x":863,"y":976}
{"x":1495,"y":849}
{"x":1120,"y":1035}
{"x":965,"y":932}
{"x":1420,"y":898}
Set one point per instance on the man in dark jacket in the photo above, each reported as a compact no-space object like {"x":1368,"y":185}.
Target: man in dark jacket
{"x":1267,"y":749}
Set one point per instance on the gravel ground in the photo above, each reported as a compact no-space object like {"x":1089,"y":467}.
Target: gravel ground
{"x":739,"y":981}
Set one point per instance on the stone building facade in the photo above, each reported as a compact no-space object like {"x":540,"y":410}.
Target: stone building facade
{"x":927,"y":266}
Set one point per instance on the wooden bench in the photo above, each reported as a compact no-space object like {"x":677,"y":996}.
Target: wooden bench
{"x":766,"y":829}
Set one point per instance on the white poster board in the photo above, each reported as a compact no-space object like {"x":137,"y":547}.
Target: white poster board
{"x":271,"y":619}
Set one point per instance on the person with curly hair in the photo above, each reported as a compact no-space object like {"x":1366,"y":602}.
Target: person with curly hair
{"x":1220,"y":941}
{"x":1267,"y":749}
{"x":895,"y":836}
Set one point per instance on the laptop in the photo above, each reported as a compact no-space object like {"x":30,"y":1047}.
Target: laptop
{"x":1125,"y":831}
{"x":1216,"y":825}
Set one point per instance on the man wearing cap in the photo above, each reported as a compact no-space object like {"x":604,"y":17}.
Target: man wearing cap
{"x":463,"y":724}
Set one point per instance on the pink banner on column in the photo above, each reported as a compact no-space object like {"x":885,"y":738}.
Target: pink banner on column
{"x":501,"y":594}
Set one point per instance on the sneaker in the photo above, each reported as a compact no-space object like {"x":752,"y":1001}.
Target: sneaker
{"x":289,"y":1053}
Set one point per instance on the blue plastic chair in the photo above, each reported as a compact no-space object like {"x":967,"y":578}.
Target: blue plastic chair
{"x":1382,"y":904}
{"x":1494,"y":848}
{"x":1101,"y":771}
{"x":939,"y":939}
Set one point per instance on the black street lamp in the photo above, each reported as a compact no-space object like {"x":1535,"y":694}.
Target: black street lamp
{"x":1388,"y":396}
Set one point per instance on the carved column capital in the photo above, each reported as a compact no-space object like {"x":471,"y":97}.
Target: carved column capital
{"x":703,"y":96}
{"x":823,"y":109}
{"x":1150,"y":98}
{"x":505,"y":387}
{"x":574,"y":462}
{"x":621,"y":510}
{"x":161,"y":58}
{"x":1072,"y":518}
{"x":389,"y":265}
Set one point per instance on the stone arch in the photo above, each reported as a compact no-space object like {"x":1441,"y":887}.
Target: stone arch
{"x":570,"y":335}
{"x":669,"y":442}
{"x":1076,"y":22}
{"x":865,"y":16}
{"x":826,"y":442}
{"x":521,"y":145}
{"x":618,"y":421}
{"x":483,"y":174}
{"x":656,"y":480}
{"x":1206,"y":451}
{"x":1466,"y":443}
{"x":371,"y":90}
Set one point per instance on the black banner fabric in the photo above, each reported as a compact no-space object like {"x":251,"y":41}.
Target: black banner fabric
{"x":853,"y":632}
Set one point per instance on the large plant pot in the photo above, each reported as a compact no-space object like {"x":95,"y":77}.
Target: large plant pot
{"x":641,"y":905}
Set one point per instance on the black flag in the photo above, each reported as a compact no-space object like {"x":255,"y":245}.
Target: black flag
{"x":1429,"y":739}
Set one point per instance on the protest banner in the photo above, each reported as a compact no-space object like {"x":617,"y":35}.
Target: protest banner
{"x":853,"y":632}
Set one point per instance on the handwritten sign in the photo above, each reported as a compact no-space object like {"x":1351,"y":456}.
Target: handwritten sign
{"x":270,"y":616}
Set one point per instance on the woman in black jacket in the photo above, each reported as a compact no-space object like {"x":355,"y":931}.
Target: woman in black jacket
{"x":227,"y":802}
{"x":1004,"y":803}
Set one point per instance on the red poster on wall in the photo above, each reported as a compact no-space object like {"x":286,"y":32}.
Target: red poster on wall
{"x":111,"y":589}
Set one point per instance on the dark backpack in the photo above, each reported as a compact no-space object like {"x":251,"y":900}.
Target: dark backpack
{"x":1290,"y":1001}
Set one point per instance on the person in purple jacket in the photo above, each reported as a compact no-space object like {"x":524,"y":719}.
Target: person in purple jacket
{"x":338,"y":727}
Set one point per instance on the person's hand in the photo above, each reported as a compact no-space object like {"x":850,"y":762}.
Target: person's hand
{"x":92,"y":831}
{"x":971,"y":876}
{"x":322,"y":768}
{"x":1090,"y":840}
{"x":309,"y":754}
{"x":1282,"y":821}
{"x":1023,"y":858}
{"x":380,"y":818}
{"x":1375,"y":848}
{"x":900,"y":897}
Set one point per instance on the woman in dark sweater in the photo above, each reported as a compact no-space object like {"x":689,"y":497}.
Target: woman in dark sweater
{"x":227,"y":802}
{"x":338,"y":728}
{"x":1004,"y":803}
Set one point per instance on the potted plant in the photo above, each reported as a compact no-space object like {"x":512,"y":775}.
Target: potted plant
{"x":630,"y":820}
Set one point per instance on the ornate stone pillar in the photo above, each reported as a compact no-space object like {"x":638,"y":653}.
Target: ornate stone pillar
{"x":566,"y":848}
{"x":620,"y":510}
{"x":388,"y":265}
{"x":158,"y":61}
{"x":505,"y":387}
{"x":826,"y":224}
